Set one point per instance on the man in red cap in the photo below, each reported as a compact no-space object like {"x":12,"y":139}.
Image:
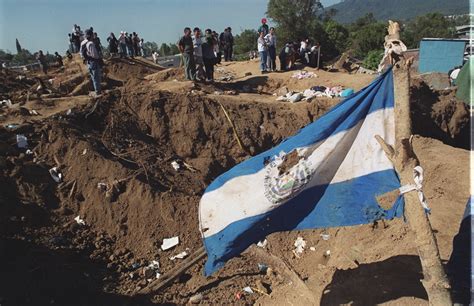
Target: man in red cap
{"x":264,"y":27}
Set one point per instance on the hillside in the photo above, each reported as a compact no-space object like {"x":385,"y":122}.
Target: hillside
{"x":349,"y":10}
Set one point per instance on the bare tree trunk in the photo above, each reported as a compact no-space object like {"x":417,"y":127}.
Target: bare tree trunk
{"x":404,"y":160}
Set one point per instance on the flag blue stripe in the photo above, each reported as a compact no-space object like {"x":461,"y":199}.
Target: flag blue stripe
{"x":341,"y":204}
{"x":345,"y":115}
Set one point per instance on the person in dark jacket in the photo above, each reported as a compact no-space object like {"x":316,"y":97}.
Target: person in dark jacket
{"x":59,"y":59}
{"x":186,"y":47}
{"x":208,"y":55}
{"x":228,"y":39}
{"x":113,"y":44}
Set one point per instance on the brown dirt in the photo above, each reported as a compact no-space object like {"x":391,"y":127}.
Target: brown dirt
{"x":127,"y":140}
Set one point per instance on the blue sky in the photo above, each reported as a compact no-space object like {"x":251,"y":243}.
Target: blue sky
{"x":44,"y":24}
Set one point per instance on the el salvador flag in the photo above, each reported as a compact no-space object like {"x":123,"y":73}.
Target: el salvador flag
{"x":329,"y":174}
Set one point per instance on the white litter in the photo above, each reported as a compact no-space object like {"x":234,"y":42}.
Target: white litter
{"x":84,"y":152}
{"x":312,"y":249}
{"x":155,"y":265}
{"x":248,"y":290}
{"x":29,"y":152}
{"x":325,"y":236}
{"x":181,"y":255}
{"x":175,"y":165}
{"x":7,"y":103}
{"x":102,"y":186}
{"x":262,"y":244}
{"x":168,"y":243}
{"x":79,"y":220}
{"x":327,"y":253}
{"x":33,"y":112}
{"x":55,"y":174}
{"x":21,"y":141}
{"x":300,"y":244}
{"x":69,"y":112}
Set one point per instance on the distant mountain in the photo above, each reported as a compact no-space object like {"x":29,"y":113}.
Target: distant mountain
{"x":350,"y":10}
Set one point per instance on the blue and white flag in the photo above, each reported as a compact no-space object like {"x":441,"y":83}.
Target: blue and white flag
{"x":329,"y":174}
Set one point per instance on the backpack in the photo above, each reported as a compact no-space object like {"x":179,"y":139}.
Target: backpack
{"x":84,"y":54}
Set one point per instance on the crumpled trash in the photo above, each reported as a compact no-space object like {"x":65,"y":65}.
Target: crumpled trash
{"x":295,"y":97}
{"x":79,"y":220}
{"x":102,"y":186}
{"x":327,"y":253}
{"x":262,"y":267}
{"x":262,"y":243}
{"x":300,"y":244}
{"x":56,"y":175}
{"x":21,"y":141}
{"x":34,"y":112}
{"x":303,"y":74}
{"x":325,"y":236}
{"x":196,"y":299}
{"x":169,"y":243}
{"x":347,"y":92}
{"x":175,"y":165}
{"x":6,"y":103}
{"x":181,"y":255}
{"x":247,"y":290}
{"x":152,"y":270}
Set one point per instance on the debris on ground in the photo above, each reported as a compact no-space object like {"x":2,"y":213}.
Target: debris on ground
{"x":169,"y":243}
{"x":299,"y":244}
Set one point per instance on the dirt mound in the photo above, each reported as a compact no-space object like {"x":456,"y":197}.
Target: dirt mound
{"x":13,"y":83}
{"x":439,"y":115}
{"x":124,"y":69}
{"x":115,"y":155}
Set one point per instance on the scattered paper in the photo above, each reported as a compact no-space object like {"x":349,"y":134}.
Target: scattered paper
{"x":179,"y":256}
{"x":300,"y":244}
{"x":175,"y":165}
{"x":79,"y":220}
{"x":312,"y":249}
{"x":325,"y":236}
{"x":262,"y":244}
{"x":21,"y":141}
{"x":55,"y":174}
{"x":248,"y":290}
{"x":84,"y":152}
{"x":168,"y":243}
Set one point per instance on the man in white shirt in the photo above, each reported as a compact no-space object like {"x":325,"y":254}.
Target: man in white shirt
{"x":271,"y":40}
{"x":262,"y":47}
{"x":92,"y":57}
{"x":155,"y":56}
{"x":197,"y":42}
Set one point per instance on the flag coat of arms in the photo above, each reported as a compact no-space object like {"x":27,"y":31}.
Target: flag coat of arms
{"x":327,"y":175}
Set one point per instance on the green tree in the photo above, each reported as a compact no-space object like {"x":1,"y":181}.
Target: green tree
{"x":366,"y":34}
{"x":5,"y":56}
{"x":23,"y":58}
{"x":337,"y":36}
{"x":18,"y":46}
{"x":245,"y":41}
{"x":295,"y":19}
{"x":150,"y":47}
{"x":372,"y":60}
{"x":429,"y":25}
{"x":165,"y":50}
{"x":173,"y":49}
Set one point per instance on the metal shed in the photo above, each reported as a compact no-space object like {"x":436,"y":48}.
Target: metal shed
{"x":440,"y":54}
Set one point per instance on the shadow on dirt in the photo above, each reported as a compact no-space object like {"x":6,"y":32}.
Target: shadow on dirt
{"x":382,"y":282}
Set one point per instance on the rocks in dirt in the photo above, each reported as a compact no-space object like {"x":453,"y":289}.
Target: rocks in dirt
{"x":196,"y":299}
{"x":436,"y":80}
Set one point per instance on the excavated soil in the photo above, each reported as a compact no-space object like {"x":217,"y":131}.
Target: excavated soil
{"x":115,"y":154}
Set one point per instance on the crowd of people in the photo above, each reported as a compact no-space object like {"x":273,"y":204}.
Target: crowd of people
{"x":201,"y":53}
{"x":289,"y":53}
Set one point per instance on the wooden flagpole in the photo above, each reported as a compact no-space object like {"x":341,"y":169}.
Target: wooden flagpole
{"x":404,"y":160}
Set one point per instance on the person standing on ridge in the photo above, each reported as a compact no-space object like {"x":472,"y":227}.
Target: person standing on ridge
{"x":271,"y":40}
{"x":93,"y":60}
{"x":185,"y":45}
{"x":228,"y":44}
{"x":264,"y":27}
